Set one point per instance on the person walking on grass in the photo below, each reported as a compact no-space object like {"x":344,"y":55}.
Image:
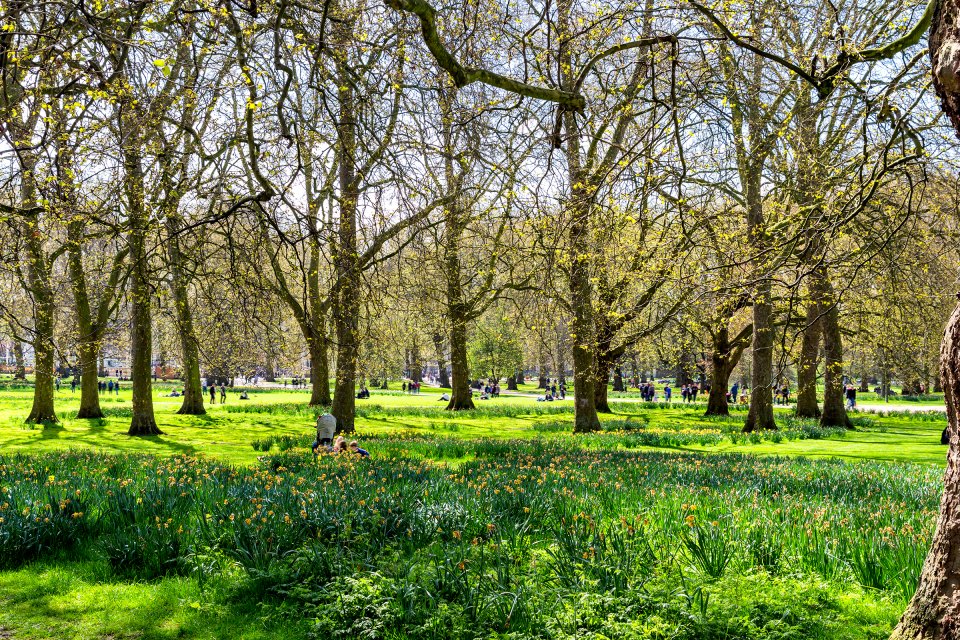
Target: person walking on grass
{"x":223,"y":393}
{"x":213,"y":394}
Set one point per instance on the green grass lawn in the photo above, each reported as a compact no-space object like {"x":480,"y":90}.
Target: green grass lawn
{"x":67,"y":596}
{"x":227,"y":431}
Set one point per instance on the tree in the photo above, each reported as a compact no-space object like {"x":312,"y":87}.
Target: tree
{"x":495,"y":350}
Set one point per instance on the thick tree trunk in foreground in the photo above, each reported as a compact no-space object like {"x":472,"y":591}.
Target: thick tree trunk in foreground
{"x":807,"y":406}
{"x":934,"y":611}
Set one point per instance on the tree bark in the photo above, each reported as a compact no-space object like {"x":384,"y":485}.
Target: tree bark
{"x":760,"y":415}
{"x":618,"y":379}
{"x":442,"y":373}
{"x":721,"y":366}
{"x":319,"y":366}
{"x":934,"y":611}
{"x":39,"y":283}
{"x":834,"y":414}
{"x":142,"y":422}
{"x":579,"y":206}
{"x":189,"y":345}
{"x":346,"y":313}
{"x":460,"y":384}
{"x":20,"y":373}
{"x":807,"y":405}
{"x":601,"y":381}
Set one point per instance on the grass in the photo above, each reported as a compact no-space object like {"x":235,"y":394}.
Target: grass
{"x":678,"y":543}
{"x":541,"y":538}
{"x":227,"y":431}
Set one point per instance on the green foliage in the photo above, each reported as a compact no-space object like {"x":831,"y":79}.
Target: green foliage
{"x":495,"y":350}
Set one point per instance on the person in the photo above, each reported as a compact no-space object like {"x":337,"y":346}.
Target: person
{"x":404,"y":386}
{"x":116,"y":387}
{"x":73,"y":385}
{"x":667,"y":393}
{"x":734,"y":390}
{"x":355,"y":448}
{"x":340,"y":445}
{"x":685,"y":393}
{"x":785,"y":394}
{"x":326,"y":428}
{"x":57,"y":381}
{"x":223,"y":393}
{"x":244,"y":395}
{"x":553,"y":390}
{"x":445,"y":397}
{"x":213,"y":394}
{"x":694,"y":390}
{"x":851,"y":396}
{"x":563,"y":391}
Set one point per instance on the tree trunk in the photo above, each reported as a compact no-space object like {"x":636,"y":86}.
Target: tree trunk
{"x":442,"y":373}
{"x":579,"y":205}
{"x":720,"y":369}
{"x":760,"y":415}
{"x":89,"y":382}
{"x":618,"y":379}
{"x":807,"y":406}
{"x":346,"y":314}
{"x":416,"y":365}
{"x":600,"y":390}
{"x":717,"y":404}
{"x":42,"y":410}
{"x":460,"y":393}
{"x":834,"y":414}
{"x":189,"y":345}
{"x":39,"y":283}
{"x":20,"y":373}
{"x":319,"y":366}
{"x":142,"y":422}
{"x":934,"y":611}
{"x":512,"y":383}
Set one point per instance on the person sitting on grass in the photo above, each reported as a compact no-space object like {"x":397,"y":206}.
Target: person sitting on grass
{"x":355,"y":448}
{"x":244,"y":395}
{"x":445,"y":397}
{"x":339,"y":445}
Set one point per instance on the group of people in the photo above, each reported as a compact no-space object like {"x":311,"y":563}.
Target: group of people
{"x":490,"y":390}
{"x":108,"y":386}
{"x":326,"y":430}
{"x":363,"y":394}
{"x":213,"y":393}
{"x":782,"y":394}
{"x":850,"y":393}
{"x":554,"y":393}
{"x":411,"y":387}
